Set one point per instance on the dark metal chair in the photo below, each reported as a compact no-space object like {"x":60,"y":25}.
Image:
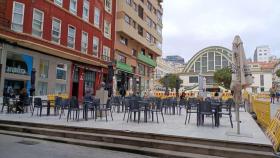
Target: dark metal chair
{"x":75,"y":108}
{"x":192,"y":107}
{"x":133,"y":108}
{"x":205,"y":109}
{"x":226,"y":109}
{"x":106,"y":107}
{"x":157,"y":108}
{"x":38,"y":105}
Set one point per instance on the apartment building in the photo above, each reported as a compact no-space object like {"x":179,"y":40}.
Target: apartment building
{"x":68,"y":42}
{"x":138,"y":43}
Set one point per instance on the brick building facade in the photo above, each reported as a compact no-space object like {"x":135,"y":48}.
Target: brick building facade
{"x":68,"y":42}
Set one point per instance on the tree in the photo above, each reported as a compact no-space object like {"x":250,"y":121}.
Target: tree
{"x":170,"y":80}
{"x":223,"y":77}
{"x":278,"y":73}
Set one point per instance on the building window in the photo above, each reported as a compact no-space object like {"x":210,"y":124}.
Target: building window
{"x":106,"y":53}
{"x":134,"y":52}
{"x":42,"y":88}
{"x":107,"y":29}
{"x":56,"y":26}
{"x":71,"y":37}
{"x":149,"y":22}
{"x":159,"y":30}
{"x":141,"y":69}
{"x":44,"y":68}
{"x":149,"y":6}
{"x":18,"y":16}
{"x":73,"y":6}
{"x":148,"y":37}
{"x":108,"y":6}
{"x":37,"y":24}
{"x":123,"y":40}
{"x":129,"y":2}
{"x":197,"y":66}
{"x":61,"y":70}
{"x":85,"y":10}
{"x":121,"y":58}
{"x":262,"y":80}
{"x":193,"y":79}
{"x":140,"y":30}
{"x":60,"y":88}
{"x":58,"y":2}
{"x":127,"y":19}
{"x":84,"y":46}
{"x":218,"y":61}
{"x":135,"y":7}
{"x":95,"y":46}
{"x":211,"y":61}
{"x":140,"y":12}
{"x":97,"y":17}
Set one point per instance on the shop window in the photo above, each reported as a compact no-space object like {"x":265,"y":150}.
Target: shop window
{"x":44,"y":68}
{"x":42,"y":88}
{"x":89,"y":82}
{"x":60,"y":88}
{"x":95,"y":46}
{"x":96,"y":17}
{"x":85,"y":10}
{"x":37,"y":23}
{"x":193,"y":79}
{"x":61,"y":71}
{"x":18,"y":17}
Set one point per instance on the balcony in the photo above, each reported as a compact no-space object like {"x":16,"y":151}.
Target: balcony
{"x":123,"y":67}
{"x":147,"y":60}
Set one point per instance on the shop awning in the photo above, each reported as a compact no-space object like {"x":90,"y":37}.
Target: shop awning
{"x":147,"y":60}
{"x":124,"y":67}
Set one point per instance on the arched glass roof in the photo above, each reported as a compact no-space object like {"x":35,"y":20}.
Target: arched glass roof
{"x":208,"y":60}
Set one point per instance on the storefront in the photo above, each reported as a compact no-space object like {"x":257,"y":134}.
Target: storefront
{"x":52,"y":73}
{"x":123,"y":77}
{"x":85,"y":80}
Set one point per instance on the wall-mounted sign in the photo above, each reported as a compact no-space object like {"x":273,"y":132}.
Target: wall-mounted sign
{"x":16,"y":70}
{"x":19,"y":63}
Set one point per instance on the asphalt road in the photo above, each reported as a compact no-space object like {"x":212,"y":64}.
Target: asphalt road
{"x":18,"y":147}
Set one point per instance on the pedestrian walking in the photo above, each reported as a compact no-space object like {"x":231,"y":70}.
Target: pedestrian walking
{"x":272,"y":92}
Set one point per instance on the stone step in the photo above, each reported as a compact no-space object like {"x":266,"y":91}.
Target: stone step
{"x":111,"y":146}
{"x":142,"y":142}
{"x":154,"y":136}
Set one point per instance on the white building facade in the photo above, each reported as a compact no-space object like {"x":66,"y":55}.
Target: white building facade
{"x":262,"y":54}
{"x":263,"y":76}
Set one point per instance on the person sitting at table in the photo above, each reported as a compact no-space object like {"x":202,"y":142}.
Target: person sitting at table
{"x":22,"y":100}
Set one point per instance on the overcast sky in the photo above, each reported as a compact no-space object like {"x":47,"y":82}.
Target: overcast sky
{"x":191,"y":25}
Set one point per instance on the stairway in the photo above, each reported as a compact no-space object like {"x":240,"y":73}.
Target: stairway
{"x":136,"y":142}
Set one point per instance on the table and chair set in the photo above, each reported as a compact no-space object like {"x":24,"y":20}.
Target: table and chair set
{"x":135,"y":106}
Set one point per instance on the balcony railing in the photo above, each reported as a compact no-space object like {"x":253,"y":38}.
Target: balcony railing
{"x":147,"y":60}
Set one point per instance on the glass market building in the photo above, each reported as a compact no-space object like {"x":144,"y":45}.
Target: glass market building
{"x":205,"y":63}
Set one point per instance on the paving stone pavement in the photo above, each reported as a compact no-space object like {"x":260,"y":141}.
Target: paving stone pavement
{"x":174,"y":125}
{"x":17,"y":147}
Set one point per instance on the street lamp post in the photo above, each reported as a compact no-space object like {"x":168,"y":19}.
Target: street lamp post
{"x":166,"y":82}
